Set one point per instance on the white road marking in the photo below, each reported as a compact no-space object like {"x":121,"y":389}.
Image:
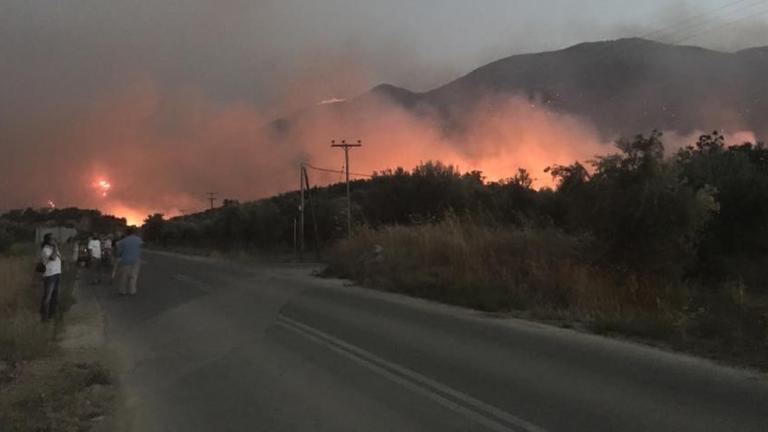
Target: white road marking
{"x":489,"y":416}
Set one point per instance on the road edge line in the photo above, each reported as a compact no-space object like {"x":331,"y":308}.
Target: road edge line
{"x":480,"y":412}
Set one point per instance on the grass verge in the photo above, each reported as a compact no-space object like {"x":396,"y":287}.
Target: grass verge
{"x":547,"y":275}
{"x":43,"y":387}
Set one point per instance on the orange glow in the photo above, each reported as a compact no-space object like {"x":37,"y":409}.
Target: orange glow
{"x":103,"y":186}
{"x":134,"y":216}
{"x":206,"y":145}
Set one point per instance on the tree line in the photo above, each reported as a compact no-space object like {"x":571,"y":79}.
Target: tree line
{"x":700,"y":213}
{"x":18,"y":226}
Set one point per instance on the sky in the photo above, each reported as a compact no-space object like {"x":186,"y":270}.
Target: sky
{"x":164,"y":99}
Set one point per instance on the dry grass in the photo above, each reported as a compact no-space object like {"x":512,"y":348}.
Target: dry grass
{"x":491,"y":268}
{"x":15,"y":276}
{"x":43,"y":387}
{"x":56,"y":394}
{"x":22,"y":336}
{"x":547,"y":274}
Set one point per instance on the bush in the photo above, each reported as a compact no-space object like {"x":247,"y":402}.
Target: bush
{"x":6,"y":238}
{"x":492,"y":268}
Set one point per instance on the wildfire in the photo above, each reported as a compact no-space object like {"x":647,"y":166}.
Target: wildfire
{"x":51,"y":204}
{"x":103,"y":186}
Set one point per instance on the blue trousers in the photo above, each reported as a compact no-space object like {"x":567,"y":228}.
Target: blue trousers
{"x":50,"y":296}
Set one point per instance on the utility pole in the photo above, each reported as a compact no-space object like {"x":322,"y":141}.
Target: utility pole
{"x":346,"y":147}
{"x":299,"y":226}
{"x":211,"y":198}
{"x":302,"y":175}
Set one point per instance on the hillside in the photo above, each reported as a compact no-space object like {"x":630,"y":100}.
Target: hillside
{"x":623,"y":86}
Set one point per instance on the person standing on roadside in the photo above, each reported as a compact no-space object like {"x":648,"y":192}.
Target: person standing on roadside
{"x":107,"y":253}
{"x":94,"y":247}
{"x":51,"y":258}
{"x":75,"y":253}
{"x":129,"y":262}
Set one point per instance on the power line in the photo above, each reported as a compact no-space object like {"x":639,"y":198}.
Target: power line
{"x":722,"y":25}
{"x":682,"y":25}
{"x":697,"y":20}
{"x":336,"y":171}
{"x":704,"y":30}
{"x":672,"y":29}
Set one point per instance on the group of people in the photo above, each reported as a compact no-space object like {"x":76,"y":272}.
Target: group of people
{"x":125,"y":270}
{"x":98,"y":248}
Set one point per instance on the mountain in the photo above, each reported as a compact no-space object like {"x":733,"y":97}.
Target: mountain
{"x":623,"y":87}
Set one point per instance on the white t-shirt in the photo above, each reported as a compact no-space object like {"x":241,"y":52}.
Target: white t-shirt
{"x":95,"y":247}
{"x":52,"y":267}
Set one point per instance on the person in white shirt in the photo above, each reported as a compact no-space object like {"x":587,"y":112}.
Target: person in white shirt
{"x":50,"y":256}
{"x":94,"y":246}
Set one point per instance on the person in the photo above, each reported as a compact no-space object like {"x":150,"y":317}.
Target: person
{"x":75,"y":251}
{"x":129,"y":262}
{"x":94,"y":247}
{"x":106,"y":250}
{"x":51,"y":258}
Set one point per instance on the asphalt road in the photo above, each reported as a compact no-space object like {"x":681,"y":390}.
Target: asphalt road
{"x":214,"y":346}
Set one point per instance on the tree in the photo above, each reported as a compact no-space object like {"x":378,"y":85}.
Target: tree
{"x":153,"y":229}
{"x":647,"y":218}
{"x":735,"y":244}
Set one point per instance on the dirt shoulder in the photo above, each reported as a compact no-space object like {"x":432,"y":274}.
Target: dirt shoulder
{"x":54,"y":376}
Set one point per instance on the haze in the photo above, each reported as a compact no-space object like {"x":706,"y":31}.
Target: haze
{"x":166,"y":100}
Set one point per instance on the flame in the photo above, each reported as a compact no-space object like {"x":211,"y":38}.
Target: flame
{"x":103,"y":186}
{"x":51,"y":204}
{"x":132,"y":215}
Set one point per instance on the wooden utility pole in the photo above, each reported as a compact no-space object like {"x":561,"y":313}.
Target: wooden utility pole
{"x":211,"y":198}
{"x":302,"y":175}
{"x":299,"y":226}
{"x":312,"y":205}
{"x":346,"y":147}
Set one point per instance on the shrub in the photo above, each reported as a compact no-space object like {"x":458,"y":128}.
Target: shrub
{"x":492,"y":268}
{"x":6,"y":238}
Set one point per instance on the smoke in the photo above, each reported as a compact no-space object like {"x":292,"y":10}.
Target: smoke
{"x":168,"y":101}
{"x":163,"y":150}
{"x":674,"y":141}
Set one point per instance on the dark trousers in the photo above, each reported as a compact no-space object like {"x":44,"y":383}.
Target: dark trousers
{"x":50,"y":296}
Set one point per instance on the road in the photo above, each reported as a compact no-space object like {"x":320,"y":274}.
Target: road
{"x":214,"y":346}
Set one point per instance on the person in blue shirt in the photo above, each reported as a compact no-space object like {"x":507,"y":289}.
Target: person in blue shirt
{"x":129,"y":262}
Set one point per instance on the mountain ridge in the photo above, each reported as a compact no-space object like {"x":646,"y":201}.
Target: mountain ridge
{"x":623,"y":86}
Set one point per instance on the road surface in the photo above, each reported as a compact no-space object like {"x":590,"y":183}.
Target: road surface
{"x":214,"y":346}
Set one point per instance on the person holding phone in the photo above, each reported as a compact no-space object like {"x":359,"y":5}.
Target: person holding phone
{"x":51,"y":258}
